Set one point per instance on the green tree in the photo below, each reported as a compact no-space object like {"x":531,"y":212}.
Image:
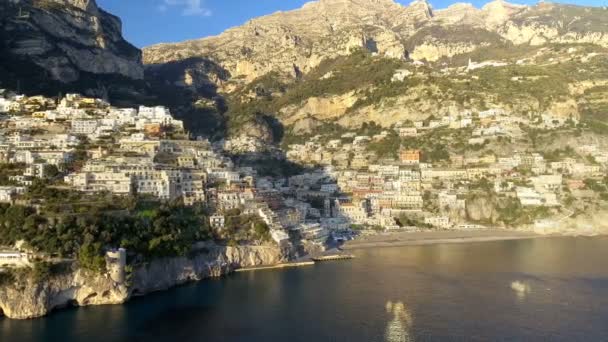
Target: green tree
{"x":90,"y":257}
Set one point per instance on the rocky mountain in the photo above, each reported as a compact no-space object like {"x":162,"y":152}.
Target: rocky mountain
{"x":295,"y":42}
{"x":343,"y":62}
{"x":347,"y":62}
{"x":64,"y":45}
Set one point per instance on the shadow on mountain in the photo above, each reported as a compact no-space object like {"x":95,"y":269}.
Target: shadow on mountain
{"x":273,"y":164}
{"x":197,"y":74}
{"x":28,"y":40}
{"x":189,"y":88}
{"x":26,"y":77}
{"x":266,"y":133}
{"x":276,"y":127}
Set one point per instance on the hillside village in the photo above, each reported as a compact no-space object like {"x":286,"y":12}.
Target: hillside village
{"x":369,"y":181}
{"x":438,"y":172}
{"x":85,"y":145}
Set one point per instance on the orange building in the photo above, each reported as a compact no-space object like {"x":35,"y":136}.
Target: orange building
{"x":410,"y":156}
{"x":153,"y":129}
{"x":575,"y":184}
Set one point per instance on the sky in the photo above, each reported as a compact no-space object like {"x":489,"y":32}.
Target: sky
{"x":147,"y":22}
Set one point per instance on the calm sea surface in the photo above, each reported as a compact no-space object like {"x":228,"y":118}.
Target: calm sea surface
{"x":528,"y":290}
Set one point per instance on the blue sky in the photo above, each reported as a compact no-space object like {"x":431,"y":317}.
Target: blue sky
{"x":147,"y":22}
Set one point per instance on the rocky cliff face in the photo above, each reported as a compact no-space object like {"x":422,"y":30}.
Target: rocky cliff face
{"x":212,"y":261}
{"x":295,"y":42}
{"x":29,"y":298}
{"x":304,"y":51}
{"x":64,"y":44}
{"x":482,"y":209}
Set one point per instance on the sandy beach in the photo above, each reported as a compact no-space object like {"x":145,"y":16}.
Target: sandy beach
{"x":437,"y":237}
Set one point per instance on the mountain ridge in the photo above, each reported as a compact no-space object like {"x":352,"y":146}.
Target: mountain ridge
{"x":296,"y":41}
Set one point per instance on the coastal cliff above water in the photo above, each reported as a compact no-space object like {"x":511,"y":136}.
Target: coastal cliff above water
{"x":24,"y":299}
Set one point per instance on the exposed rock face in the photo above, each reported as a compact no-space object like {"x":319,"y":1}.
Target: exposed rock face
{"x":258,"y":129}
{"x":295,"y":42}
{"x":434,"y":51}
{"x":496,"y":13}
{"x":30,"y":299}
{"x":566,"y":109}
{"x":294,"y":45}
{"x":459,"y":13}
{"x":482,"y":209}
{"x":64,"y":41}
{"x":391,"y":111}
{"x":163,"y":274}
{"x":327,"y":108}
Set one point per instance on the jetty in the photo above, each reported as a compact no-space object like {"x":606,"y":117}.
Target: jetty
{"x":333,"y":257}
{"x":306,"y":262}
{"x":277,"y":266}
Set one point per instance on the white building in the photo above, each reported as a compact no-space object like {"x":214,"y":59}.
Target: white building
{"x":56,"y":158}
{"x":116,"y":182}
{"x":14,"y":258}
{"x":528,"y":197}
{"x":349,"y":211}
{"x":84,"y":127}
{"x":8,"y":193}
{"x":279,"y":236}
{"x":491,"y":113}
{"x":5,"y":105}
{"x":438,"y":221}
{"x":545,"y":183}
{"x":408,"y":132}
{"x":450,"y":200}
{"x":217,"y":221}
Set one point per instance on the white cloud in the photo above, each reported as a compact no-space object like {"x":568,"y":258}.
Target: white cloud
{"x":189,"y":7}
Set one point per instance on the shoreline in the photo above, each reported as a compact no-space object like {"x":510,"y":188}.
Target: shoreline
{"x":180,"y":271}
{"x":397,"y":239}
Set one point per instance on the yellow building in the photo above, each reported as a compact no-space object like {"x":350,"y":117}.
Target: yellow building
{"x":39,"y":115}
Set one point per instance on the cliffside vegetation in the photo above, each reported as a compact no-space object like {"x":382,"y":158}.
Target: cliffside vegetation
{"x":74,"y":225}
{"x":548,"y":76}
{"x":69,"y":224}
{"x":269,"y":93}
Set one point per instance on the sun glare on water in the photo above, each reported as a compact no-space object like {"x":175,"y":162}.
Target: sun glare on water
{"x":398,"y":328}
